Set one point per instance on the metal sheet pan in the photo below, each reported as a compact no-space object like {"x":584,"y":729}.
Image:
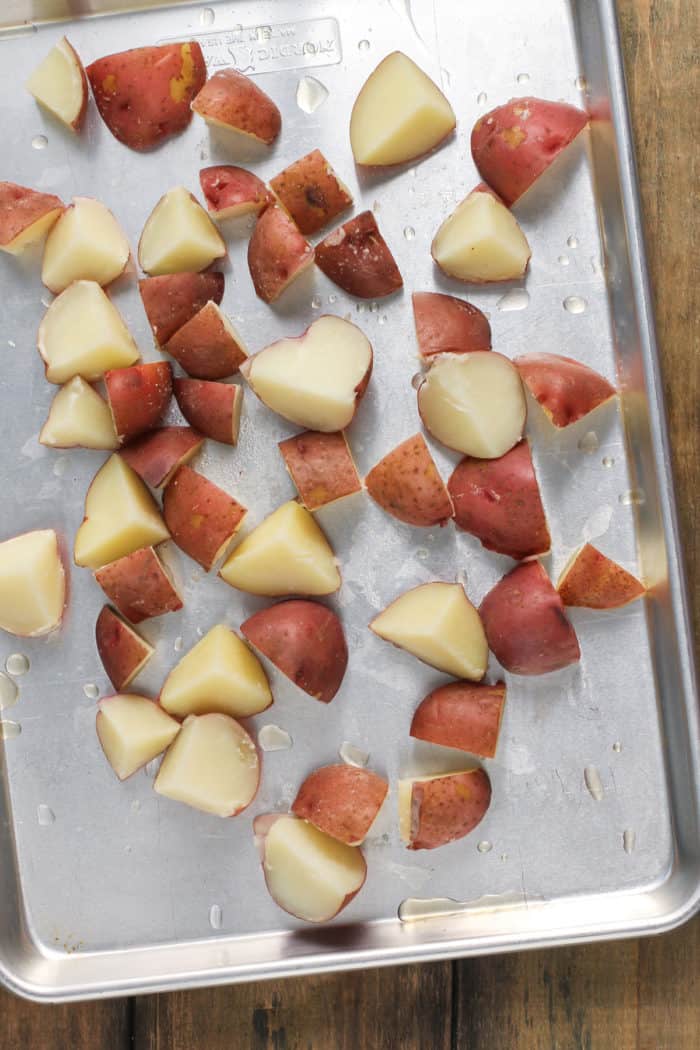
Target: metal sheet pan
{"x":109,"y":889}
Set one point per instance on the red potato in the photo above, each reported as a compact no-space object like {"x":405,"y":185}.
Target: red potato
{"x":173,"y":299}
{"x":26,"y":216}
{"x":139,"y":586}
{"x":515,"y":143}
{"x":448,"y":325}
{"x":311,"y":192}
{"x":207,"y":346}
{"x":434,"y":811}
{"x":566,"y":389}
{"x":463,"y":715}
{"x":406,"y":483}
{"x":305,"y":641}
{"x":230,"y":99}
{"x":499,"y":502}
{"x":230,"y":191}
{"x":138,"y":397}
{"x":321,"y":466}
{"x":123,"y":652}
{"x":341,"y":801}
{"x":201,"y":517}
{"x":144,"y":95}
{"x":277,"y":254}
{"x":356,"y":257}
{"x":212,"y":408}
{"x":156,"y":456}
{"x":594,"y":581}
{"x":526,"y":626}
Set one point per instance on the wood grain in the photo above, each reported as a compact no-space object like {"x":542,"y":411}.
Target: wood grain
{"x":79,"y":1026}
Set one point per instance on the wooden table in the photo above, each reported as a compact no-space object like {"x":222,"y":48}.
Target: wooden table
{"x":637,"y":994}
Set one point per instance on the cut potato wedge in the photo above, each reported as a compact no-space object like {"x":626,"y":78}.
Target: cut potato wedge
{"x":139,"y":585}
{"x":342,"y":801}
{"x":133,"y":730}
{"x":173,"y":299}
{"x":231,"y":191}
{"x":32,"y":584}
{"x":201,"y":517}
{"x":566,"y":389}
{"x":26,"y":216}
{"x":481,"y":242}
{"x":208,"y":346}
{"x":448,"y":325}
{"x":156,"y":456}
{"x":123,"y":652}
{"x":437,"y":623}
{"x":212,"y":408}
{"x":321,"y":466}
{"x":138,"y":397}
{"x":86,"y":244}
{"x":406,"y":483}
{"x":79,"y":417}
{"x":594,"y":581}
{"x":356,"y":257}
{"x":463,"y":715}
{"x":278,"y":253}
{"x":179,"y":236}
{"x":436,"y":810}
{"x":311,"y":192}
{"x":59,"y":84}
{"x":230,"y":99}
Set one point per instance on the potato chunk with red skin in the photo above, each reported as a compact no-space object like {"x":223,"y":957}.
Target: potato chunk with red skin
{"x":463,"y":715}
{"x":144,"y":95}
{"x":515,"y":143}
{"x":231,"y":191}
{"x":172,"y":299}
{"x":356,"y":257}
{"x":139,"y":586}
{"x":311,"y":192}
{"x":526,"y":626}
{"x":138,"y":397}
{"x":593,"y":581}
{"x":448,"y":325}
{"x":156,"y":456}
{"x":406,"y":483}
{"x":123,"y":652}
{"x":566,"y":389}
{"x":213,"y":408}
{"x":201,"y":517}
{"x":232,"y":100}
{"x":444,"y":808}
{"x":321,"y":466}
{"x":26,"y":215}
{"x":207,"y":346}
{"x":342,"y":801}
{"x":277,"y":254}
{"x":499,"y":502}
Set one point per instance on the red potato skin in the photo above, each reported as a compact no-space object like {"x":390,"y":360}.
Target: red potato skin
{"x":515,"y":143}
{"x":526,"y":626}
{"x":77,"y":122}
{"x":321,"y":466}
{"x":122,"y":651}
{"x":173,"y":299}
{"x":448,"y":808}
{"x":144,"y":95}
{"x":277,"y":253}
{"x":212,"y":408}
{"x":499,"y":502}
{"x":311,"y":192}
{"x":201,"y":517}
{"x":138,"y":397}
{"x":566,"y":389}
{"x":21,"y":206}
{"x":407,"y":485}
{"x":305,"y":641}
{"x":356,"y":257}
{"x":232,"y":99}
{"x":156,"y":456}
{"x":341,"y":801}
{"x":448,"y":325}
{"x":594,"y":581}
{"x":204,"y":348}
{"x":139,"y":586}
{"x":464,"y":715}
{"x":230,"y":191}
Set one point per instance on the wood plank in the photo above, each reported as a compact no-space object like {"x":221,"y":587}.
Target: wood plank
{"x":406,"y":1008}
{"x":77,"y":1026}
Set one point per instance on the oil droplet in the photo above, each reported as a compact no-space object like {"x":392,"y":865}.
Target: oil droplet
{"x":572,"y":241}
{"x":608,"y":462}
{"x":311,"y":94}
{"x":274,"y":738}
{"x":11,"y":343}
{"x":416,"y":380}
{"x":629,"y":840}
{"x":581,"y":84}
{"x":409,"y":233}
{"x":17,"y":664}
{"x":316,"y":302}
{"x":563,"y":260}
{"x":91,"y":691}
{"x":382,"y":319}
{"x":45,"y":815}
{"x":40,"y":142}
{"x":216,"y":917}
{"x":422,"y":553}
{"x":363,"y":45}
{"x":515,"y":299}
{"x":485,"y":846}
{"x":594,"y":784}
{"x":589,"y":442}
{"x":575,"y":304}
{"x":333,"y":298}
{"x":9,"y":730}
{"x":523,"y":78}
{"x":617,"y":747}
{"x":353,"y":756}
{"x":206,"y":17}
{"x":9,"y":692}
{"x":633,"y":498}
{"x":177,"y":644}
{"x":415,"y":908}
{"x":482,"y":98}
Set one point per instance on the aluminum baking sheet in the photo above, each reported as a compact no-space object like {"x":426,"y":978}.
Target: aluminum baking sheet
{"x":593,"y":827}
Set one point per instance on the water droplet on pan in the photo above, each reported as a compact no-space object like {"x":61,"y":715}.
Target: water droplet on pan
{"x":485,"y":846}
{"x":316,"y":302}
{"x":563,"y":260}
{"x":274,"y":738}
{"x":216,"y":917}
{"x":594,"y":784}
{"x":633,"y":498}
{"x":40,"y":142}
{"x":515,"y":299}
{"x":45,"y":815}
{"x":17,"y":664}
{"x":589,"y":442}
{"x":608,"y":462}
{"x":9,"y":730}
{"x":482,"y":98}
{"x":353,"y":756}
{"x":207,"y":17}
{"x":177,"y":644}
{"x":363,"y":45}
{"x":572,"y":241}
{"x":580,"y":83}
{"x":311,"y":94}
{"x":91,"y":691}
{"x":629,"y":840}
{"x":617,"y":747}
{"x":575,"y":304}
{"x":523,"y":78}
{"x":409,"y":233}
{"x":9,"y":692}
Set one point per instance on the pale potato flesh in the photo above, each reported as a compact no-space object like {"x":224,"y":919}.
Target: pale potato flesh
{"x":32,"y":583}
{"x":121,"y":516}
{"x":474,"y":403}
{"x":481,"y":241}
{"x":286,"y":554}
{"x":79,"y":417}
{"x":308,"y":873}
{"x":179,"y":236}
{"x":399,"y":114}
{"x":219,"y":674}
{"x":312,"y":380}
{"x":437,"y":623}
{"x":212,"y":765}
{"x":133,"y":730}
{"x":85,"y":244}
{"x":58,"y":84}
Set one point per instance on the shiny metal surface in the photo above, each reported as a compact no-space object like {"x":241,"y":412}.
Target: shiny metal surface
{"x":109,"y":889}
